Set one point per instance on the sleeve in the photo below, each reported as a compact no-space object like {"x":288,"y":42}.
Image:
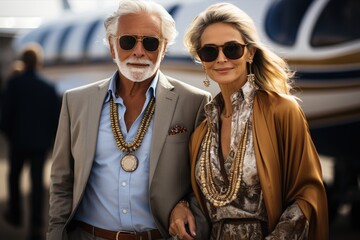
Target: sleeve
{"x":292,"y":223}
{"x":62,"y":177}
{"x":8,"y":108}
{"x":201,"y":111}
{"x":302,"y":175}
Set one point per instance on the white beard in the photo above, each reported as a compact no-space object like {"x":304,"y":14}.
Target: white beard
{"x":136,"y":74}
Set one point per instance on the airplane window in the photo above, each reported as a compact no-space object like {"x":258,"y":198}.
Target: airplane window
{"x":44,"y":36}
{"x":63,"y":38}
{"x":338,"y":23}
{"x":173,"y":9}
{"x":283,"y":20}
{"x":89,"y":34}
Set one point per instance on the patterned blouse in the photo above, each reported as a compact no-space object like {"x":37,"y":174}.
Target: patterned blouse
{"x":245,"y":217}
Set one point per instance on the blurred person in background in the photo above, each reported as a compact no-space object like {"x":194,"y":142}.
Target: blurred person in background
{"x":29,"y":120}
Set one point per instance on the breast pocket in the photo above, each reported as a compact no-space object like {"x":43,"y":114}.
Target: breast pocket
{"x":178,"y":138}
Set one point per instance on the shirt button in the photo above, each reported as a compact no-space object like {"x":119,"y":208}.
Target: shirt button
{"x":125,"y":211}
{"x":123,"y":184}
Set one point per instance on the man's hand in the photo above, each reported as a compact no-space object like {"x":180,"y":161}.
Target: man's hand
{"x":181,"y":216}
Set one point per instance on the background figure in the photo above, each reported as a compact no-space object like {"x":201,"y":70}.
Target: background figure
{"x":29,"y":119}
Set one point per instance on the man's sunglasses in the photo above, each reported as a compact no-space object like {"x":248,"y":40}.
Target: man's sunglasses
{"x":128,"y":42}
{"x":232,"y":50}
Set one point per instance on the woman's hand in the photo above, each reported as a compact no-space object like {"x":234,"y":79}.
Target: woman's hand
{"x":181,"y":216}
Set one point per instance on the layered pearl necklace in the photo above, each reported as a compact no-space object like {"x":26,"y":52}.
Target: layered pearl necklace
{"x":129,"y":162}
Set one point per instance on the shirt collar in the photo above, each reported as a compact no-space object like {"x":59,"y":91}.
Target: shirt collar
{"x":151,"y":92}
{"x":246,"y":92}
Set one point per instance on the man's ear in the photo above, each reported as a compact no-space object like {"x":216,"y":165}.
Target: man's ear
{"x":111,"y":46}
{"x":164,"y":48}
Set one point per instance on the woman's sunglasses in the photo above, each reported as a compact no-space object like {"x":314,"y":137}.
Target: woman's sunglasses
{"x":128,"y":42}
{"x":231,"y":50}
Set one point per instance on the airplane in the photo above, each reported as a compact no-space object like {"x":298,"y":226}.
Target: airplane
{"x":319,"y":38}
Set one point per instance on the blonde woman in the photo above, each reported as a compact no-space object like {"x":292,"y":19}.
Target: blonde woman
{"x":255,"y":171}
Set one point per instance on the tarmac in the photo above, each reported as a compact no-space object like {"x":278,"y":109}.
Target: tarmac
{"x":340,"y":228}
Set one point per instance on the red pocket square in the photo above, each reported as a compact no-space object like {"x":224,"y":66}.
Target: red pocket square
{"x":177,"y":129}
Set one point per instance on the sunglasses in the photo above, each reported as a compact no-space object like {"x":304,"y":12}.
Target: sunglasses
{"x":232,"y":50}
{"x":128,"y":42}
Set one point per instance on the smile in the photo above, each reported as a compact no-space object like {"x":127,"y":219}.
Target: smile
{"x":223,"y":70}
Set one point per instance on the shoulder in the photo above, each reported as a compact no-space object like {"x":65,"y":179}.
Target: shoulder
{"x":88,"y":87}
{"x":80,"y":95}
{"x":278,"y":107}
{"x":14,"y":81}
{"x":274,"y":98}
{"x":184,"y":88}
{"x":276,"y":102}
{"x":45,"y":82}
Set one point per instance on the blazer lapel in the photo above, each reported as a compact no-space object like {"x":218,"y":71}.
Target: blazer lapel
{"x":95,"y":100}
{"x":165,"y":105}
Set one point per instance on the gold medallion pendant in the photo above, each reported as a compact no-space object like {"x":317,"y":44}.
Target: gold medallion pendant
{"x":129,"y":163}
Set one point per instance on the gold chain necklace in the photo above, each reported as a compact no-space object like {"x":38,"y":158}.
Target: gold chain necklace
{"x":207,"y":184}
{"x":129,"y":162}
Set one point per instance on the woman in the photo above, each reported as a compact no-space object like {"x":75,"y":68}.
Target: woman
{"x":255,"y":171}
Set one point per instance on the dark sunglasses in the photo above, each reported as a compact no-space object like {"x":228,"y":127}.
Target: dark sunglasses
{"x":128,"y":42}
{"x":231,"y":50}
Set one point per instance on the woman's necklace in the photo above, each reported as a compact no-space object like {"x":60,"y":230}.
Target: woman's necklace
{"x":207,"y":185}
{"x":129,"y":162}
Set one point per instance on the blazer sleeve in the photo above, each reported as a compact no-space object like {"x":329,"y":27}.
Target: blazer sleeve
{"x":62,"y":175}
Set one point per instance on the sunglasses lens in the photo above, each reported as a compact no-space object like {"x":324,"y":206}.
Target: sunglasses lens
{"x":208,"y":53}
{"x":233,"y":50}
{"x":150,"y":43}
{"x":127,"y":42}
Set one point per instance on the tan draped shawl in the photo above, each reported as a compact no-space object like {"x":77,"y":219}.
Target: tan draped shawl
{"x":287,"y":162}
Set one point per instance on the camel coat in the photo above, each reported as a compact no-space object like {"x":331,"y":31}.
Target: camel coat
{"x":287,"y":162}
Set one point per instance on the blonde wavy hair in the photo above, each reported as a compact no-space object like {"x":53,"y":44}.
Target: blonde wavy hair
{"x":271,"y":71}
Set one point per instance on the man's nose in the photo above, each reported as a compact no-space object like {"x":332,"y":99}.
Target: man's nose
{"x":138,"y":48}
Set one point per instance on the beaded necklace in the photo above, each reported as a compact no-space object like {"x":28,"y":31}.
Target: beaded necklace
{"x":129,"y":162}
{"x":207,"y":185}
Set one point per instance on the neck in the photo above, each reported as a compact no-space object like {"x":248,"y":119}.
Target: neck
{"x":127,"y":88}
{"x":227,"y":91}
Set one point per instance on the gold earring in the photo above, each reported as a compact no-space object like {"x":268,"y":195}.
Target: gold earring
{"x":251,"y":76}
{"x":206,"y":82}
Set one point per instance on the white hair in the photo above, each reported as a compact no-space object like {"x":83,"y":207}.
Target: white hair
{"x":168,"y":29}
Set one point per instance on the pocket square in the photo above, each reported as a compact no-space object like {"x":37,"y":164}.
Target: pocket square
{"x":177,"y":129}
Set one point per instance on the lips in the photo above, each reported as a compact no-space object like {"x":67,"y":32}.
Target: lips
{"x":223,"y":70}
{"x":139,"y":65}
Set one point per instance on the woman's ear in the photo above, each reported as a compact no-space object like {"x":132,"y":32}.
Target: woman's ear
{"x":252,"y":51}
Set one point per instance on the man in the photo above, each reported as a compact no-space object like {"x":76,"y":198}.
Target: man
{"x":121,"y":152}
{"x":29,"y":120}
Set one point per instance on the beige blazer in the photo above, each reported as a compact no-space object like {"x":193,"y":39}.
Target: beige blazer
{"x":73,"y":154}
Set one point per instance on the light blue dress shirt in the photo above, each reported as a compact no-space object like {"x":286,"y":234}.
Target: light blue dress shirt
{"x":115,"y":199}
